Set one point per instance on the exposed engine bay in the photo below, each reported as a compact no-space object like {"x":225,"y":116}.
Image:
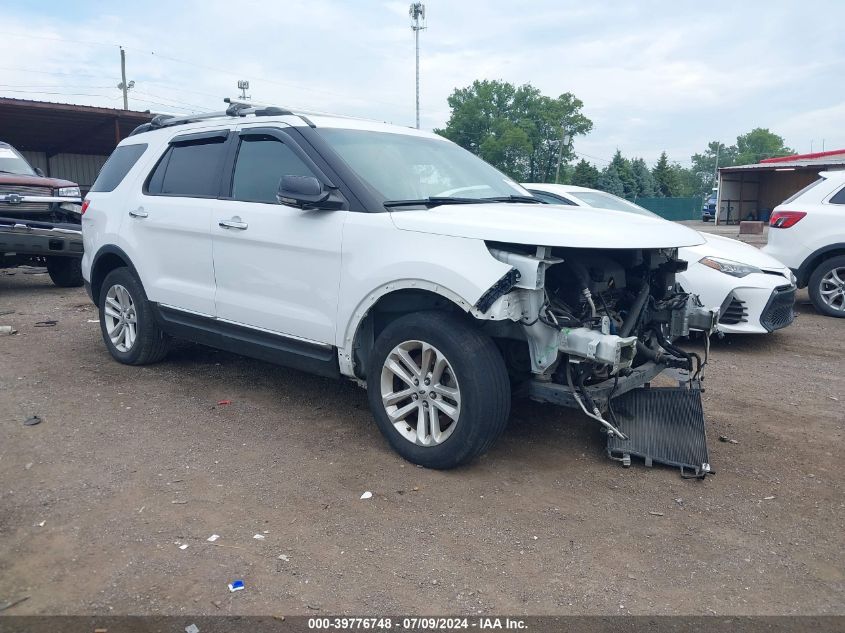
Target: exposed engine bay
{"x":593,"y":320}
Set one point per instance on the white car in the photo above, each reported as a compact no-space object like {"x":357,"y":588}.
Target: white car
{"x":807,"y":233}
{"x":754,"y":292}
{"x":386,"y":255}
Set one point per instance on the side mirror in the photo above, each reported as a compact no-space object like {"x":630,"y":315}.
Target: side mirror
{"x":39,"y":171}
{"x":306,"y":192}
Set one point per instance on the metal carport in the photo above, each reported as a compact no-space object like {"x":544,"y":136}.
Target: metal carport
{"x":66,"y":140}
{"x":752,"y":191}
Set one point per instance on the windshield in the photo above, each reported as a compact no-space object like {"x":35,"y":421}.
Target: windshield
{"x":407,"y":167}
{"x":609,"y":201}
{"x":13,"y":163}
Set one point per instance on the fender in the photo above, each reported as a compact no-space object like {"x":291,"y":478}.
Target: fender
{"x":806,"y":269}
{"x":97,"y":277}
{"x":345,"y":351}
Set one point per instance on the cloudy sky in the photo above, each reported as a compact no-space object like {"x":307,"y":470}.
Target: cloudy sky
{"x":653,"y":76}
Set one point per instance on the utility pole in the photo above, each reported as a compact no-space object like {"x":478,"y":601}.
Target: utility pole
{"x":417,"y":13}
{"x":716,"y":168}
{"x":564,"y":140}
{"x":123,"y":85}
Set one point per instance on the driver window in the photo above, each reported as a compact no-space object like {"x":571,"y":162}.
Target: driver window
{"x":262,"y":161}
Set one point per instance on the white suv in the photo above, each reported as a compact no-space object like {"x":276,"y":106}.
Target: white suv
{"x":807,"y":233}
{"x":386,"y":255}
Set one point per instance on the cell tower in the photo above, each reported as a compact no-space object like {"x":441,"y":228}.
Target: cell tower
{"x":417,"y":13}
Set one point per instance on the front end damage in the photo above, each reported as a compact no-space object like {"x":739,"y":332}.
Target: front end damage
{"x":586,"y":328}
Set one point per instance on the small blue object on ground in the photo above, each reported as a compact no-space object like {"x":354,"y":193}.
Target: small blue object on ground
{"x":236,"y":585}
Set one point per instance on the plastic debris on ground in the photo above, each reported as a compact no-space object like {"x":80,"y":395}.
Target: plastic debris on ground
{"x":32,"y":421}
{"x":284,"y":557}
{"x":236,"y":585}
{"x":7,"y":330}
{"x":192,"y":628}
{"x":213,"y":538}
{"x":183,"y":546}
{"x":224,"y":403}
{"x":367,"y":495}
{"x":260,"y":537}
{"x":47,"y":323}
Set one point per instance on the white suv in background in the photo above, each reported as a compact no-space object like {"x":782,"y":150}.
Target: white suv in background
{"x":807,"y":233}
{"x":386,"y":255}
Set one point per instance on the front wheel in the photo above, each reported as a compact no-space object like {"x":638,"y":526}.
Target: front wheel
{"x":827,"y":287}
{"x":438,"y":389}
{"x":65,"y":272}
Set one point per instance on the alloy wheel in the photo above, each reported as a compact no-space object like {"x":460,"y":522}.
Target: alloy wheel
{"x":420,"y":393}
{"x":120,"y":318}
{"x":832,"y":289}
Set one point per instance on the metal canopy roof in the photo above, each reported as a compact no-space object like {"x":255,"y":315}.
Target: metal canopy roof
{"x":819,"y":165}
{"x":55,"y":128}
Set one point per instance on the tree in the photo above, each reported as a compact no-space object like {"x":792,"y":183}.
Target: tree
{"x":610,"y":181}
{"x":758,"y":144}
{"x":704,"y":165}
{"x":646,"y":187}
{"x":665,"y":178}
{"x":585,"y":175}
{"x":517,"y":129}
{"x":622,"y":167}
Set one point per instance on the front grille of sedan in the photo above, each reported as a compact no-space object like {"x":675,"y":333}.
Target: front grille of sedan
{"x":24,"y":190}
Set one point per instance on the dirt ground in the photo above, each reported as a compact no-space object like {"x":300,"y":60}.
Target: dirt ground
{"x":130,"y":462}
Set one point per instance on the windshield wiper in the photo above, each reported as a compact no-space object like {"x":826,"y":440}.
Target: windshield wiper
{"x":528,"y":199}
{"x":433,"y":201}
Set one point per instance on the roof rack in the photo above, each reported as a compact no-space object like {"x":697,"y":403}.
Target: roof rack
{"x":236,"y":109}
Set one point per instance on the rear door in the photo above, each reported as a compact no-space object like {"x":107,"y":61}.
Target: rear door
{"x":168,"y":228}
{"x":277,"y":267}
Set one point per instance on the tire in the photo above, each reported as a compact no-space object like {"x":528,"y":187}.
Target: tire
{"x":149,"y":344}
{"x":827,"y":287}
{"x":472,"y":385}
{"x":65,"y":272}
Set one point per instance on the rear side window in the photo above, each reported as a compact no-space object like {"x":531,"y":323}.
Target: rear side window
{"x":189,"y":169}
{"x":261,"y":163}
{"x":838,"y":197}
{"x":798,"y":194}
{"x":117,"y":166}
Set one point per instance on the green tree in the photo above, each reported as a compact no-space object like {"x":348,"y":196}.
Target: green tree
{"x":610,"y":181}
{"x":585,"y":175}
{"x":646,"y":187}
{"x":665,"y":178}
{"x":758,"y":144}
{"x":704,"y":165}
{"x":625,"y":172}
{"x":517,"y":129}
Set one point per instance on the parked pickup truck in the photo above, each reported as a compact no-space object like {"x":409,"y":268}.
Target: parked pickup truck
{"x":40,"y":220}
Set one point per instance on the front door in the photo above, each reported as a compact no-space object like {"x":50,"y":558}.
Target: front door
{"x":277,"y":267}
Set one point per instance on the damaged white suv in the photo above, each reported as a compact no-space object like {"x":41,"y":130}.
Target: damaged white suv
{"x":386,"y":255}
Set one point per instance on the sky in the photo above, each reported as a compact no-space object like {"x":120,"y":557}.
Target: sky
{"x":653,"y":75}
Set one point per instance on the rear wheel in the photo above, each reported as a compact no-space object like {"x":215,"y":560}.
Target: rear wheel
{"x":438,"y":389}
{"x":827,"y":287}
{"x":126,"y":321}
{"x":65,"y":272}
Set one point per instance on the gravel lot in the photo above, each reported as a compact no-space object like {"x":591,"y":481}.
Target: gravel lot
{"x":130,"y":462}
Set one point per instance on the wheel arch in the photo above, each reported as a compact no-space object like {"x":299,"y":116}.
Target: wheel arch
{"x":815,"y":259}
{"x":384,"y":305}
{"x":107,"y":259}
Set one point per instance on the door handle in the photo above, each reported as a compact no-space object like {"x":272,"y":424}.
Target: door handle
{"x":138,"y":213}
{"x":234,"y":223}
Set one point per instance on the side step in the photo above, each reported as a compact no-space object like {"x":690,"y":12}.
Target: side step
{"x":664,"y":425}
